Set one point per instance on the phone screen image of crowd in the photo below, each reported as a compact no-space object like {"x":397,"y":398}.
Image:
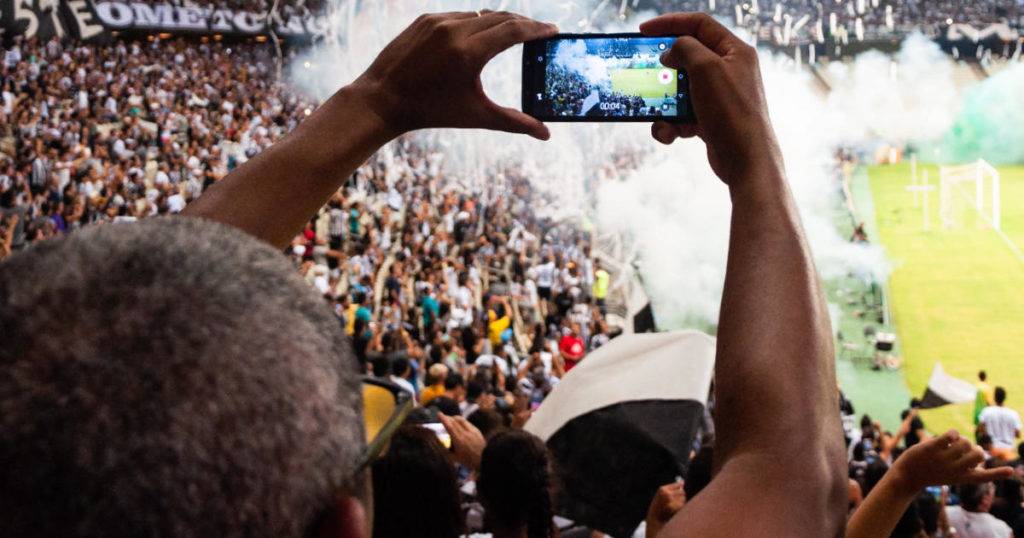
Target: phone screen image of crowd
{"x":609,"y":77}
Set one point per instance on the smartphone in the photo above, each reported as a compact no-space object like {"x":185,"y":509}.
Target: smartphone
{"x":603,"y":77}
{"x":442,"y":434}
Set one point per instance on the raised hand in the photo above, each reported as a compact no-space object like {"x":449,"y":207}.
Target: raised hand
{"x":948,"y":459}
{"x":429,"y":76}
{"x":467,"y":441}
{"x":725,"y":86}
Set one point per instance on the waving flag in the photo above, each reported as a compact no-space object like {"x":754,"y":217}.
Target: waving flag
{"x":622,"y":423}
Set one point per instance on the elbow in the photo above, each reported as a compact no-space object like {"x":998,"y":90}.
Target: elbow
{"x":835,"y":489}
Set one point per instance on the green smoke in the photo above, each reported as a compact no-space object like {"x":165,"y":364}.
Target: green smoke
{"x":990,"y":125}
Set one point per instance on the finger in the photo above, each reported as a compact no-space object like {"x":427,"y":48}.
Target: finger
{"x":970,"y":459}
{"x":687,"y":130}
{"x":689,"y":54}
{"x":699,"y":25}
{"x":947,"y":439}
{"x":447,"y":422}
{"x":461,"y":423}
{"x":451,"y":15}
{"x":663,"y":132}
{"x":980,"y":476}
{"x":487,"y":19}
{"x":497,"y":38}
{"x":961,"y":447}
{"x":511,"y":120}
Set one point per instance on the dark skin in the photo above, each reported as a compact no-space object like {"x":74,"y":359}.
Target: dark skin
{"x":780,"y":455}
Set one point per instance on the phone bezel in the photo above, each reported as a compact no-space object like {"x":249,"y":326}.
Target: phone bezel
{"x":529,"y":81}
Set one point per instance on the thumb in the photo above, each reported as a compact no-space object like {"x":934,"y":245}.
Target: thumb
{"x":510,"y":120}
{"x":446,"y":422}
{"x":689,"y":54}
{"x":980,"y":476}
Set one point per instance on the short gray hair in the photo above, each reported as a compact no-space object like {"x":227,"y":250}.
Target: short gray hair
{"x":170,"y":377}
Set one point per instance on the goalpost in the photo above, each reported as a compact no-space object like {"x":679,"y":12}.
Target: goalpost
{"x":987,"y":204}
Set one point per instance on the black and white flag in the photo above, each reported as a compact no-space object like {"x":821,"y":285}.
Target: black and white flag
{"x":622,"y":423}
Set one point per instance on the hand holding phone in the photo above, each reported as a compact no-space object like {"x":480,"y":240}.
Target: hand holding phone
{"x":603,"y":77}
{"x":467,"y":442}
{"x":429,"y":76}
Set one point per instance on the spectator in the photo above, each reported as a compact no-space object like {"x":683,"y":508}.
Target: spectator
{"x":971,"y":519}
{"x":515,"y":486}
{"x":1002,"y":424}
{"x":436,"y":376}
{"x":401,"y":371}
{"x":415,"y":464}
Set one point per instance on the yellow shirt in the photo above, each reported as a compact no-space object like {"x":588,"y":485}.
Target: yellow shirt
{"x":987,"y":391}
{"x":350,"y":319}
{"x":496,"y":327}
{"x":601,"y":279}
{"x":431,"y":392}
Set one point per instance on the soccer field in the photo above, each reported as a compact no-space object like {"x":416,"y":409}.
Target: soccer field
{"x":643,"y":82}
{"x":957,"y":295}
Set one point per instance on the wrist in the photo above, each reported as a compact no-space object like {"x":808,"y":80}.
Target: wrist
{"x":374,"y":97}
{"x":903,"y":484}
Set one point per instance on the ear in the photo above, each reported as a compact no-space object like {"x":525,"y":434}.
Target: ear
{"x":346,"y":518}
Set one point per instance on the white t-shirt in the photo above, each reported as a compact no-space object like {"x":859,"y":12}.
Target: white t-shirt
{"x":546,"y":275}
{"x":175,"y":203}
{"x":1002,"y":424}
{"x":976,"y":524}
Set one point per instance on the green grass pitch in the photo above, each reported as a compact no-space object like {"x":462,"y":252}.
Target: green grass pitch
{"x":957,"y":295}
{"x":643,"y":82}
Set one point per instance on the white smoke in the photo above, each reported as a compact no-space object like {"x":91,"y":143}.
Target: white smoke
{"x":672,"y":208}
{"x":572,"y":55}
{"x":558,"y":167}
{"x":912,"y":96}
{"x":677,"y":211}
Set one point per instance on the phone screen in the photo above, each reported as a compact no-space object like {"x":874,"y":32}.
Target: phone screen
{"x":440,"y":432}
{"x":603,"y":77}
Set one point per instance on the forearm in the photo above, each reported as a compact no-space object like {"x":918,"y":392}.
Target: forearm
{"x":775,"y":388}
{"x":882,"y":509}
{"x":273,"y":195}
{"x":774,"y":373}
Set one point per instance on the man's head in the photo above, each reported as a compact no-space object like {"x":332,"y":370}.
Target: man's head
{"x":976,"y":497}
{"x":171,"y":377}
{"x":982,"y":376}
{"x":437,"y":373}
{"x":455,"y":387}
{"x":999,"y":395}
{"x":400,"y":367}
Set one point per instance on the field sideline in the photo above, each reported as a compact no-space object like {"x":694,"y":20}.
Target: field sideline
{"x":643,"y":81}
{"x":957,"y":296}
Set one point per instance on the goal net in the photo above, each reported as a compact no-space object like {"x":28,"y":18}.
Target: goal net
{"x":968,"y":193}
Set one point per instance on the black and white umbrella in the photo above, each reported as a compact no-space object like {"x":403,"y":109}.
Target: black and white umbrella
{"x":621,"y":424}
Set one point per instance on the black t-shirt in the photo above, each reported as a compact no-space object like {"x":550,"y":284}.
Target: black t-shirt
{"x":912,"y":438}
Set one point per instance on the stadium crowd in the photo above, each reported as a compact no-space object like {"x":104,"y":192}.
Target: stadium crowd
{"x":94,"y":133}
{"x":469,"y":299}
{"x":568,"y":91}
{"x":877,"y":19}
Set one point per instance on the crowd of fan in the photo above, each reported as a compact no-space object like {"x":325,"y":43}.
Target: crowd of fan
{"x":567,"y":91}
{"x":466,"y":297}
{"x":987,"y":510}
{"x":107,"y":133}
{"x":907,"y":16}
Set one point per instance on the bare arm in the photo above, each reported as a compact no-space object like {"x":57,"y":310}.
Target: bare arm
{"x":779,"y":449}
{"x":947,"y":459}
{"x":429,"y":76}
